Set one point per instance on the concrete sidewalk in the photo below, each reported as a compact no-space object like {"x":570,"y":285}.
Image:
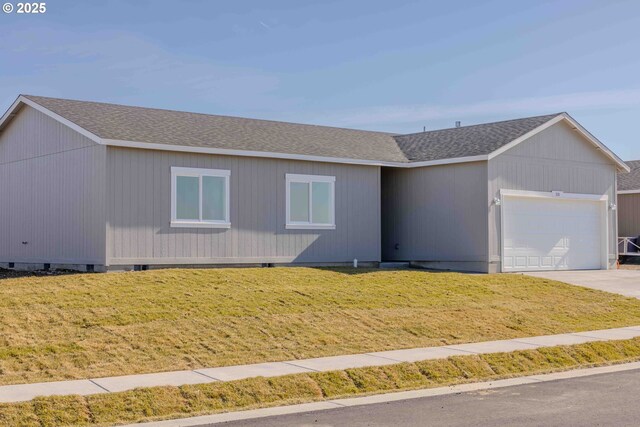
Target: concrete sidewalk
{"x":23,"y":392}
{"x":623,"y":282}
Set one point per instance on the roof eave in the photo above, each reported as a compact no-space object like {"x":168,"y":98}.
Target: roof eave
{"x":22,"y":100}
{"x":620,"y":164}
{"x":10,"y":113}
{"x":248,"y":153}
{"x":290,"y":156}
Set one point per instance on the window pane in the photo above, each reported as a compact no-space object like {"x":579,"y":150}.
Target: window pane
{"x":213,"y":198}
{"x":299,"y":201}
{"x":321,"y":202}
{"x":187,"y":197}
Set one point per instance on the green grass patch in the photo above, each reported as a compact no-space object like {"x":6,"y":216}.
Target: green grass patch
{"x":88,"y":325}
{"x":148,"y":404}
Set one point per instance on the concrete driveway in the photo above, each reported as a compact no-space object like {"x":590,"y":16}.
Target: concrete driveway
{"x":624,"y":282}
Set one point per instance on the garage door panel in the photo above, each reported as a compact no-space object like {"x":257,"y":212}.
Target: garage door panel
{"x":551,"y":234}
{"x":544,"y":243}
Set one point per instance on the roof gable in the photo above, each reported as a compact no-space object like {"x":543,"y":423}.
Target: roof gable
{"x":466,"y":141}
{"x":149,"y":128}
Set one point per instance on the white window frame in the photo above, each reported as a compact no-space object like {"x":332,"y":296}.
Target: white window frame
{"x":199,"y":173}
{"x":309,"y":180}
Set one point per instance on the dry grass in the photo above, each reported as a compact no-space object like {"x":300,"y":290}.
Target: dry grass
{"x":147,"y":404}
{"x":92,"y":325}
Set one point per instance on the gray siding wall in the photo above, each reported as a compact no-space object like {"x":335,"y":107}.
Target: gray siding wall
{"x":139,"y":215}
{"x":629,"y":215}
{"x":557,"y":158}
{"x":435,"y":213}
{"x":51,"y":193}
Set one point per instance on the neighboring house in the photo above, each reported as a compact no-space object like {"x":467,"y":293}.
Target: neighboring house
{"x":102,"y":186}
{"x":629,"y":201}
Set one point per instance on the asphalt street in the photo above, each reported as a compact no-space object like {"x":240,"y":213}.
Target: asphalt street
{"x":599,"y":400}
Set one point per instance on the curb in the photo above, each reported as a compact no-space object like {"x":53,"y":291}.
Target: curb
{"x":384,"y":398}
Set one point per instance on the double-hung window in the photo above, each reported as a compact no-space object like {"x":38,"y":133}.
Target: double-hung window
{"x":200,"y":198}
{"x":310,"y":202}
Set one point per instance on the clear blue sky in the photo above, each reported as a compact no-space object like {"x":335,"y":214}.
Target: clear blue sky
{"x":392,"y":65}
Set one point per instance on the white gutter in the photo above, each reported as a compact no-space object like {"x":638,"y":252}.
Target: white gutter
{"x":289,"y":156}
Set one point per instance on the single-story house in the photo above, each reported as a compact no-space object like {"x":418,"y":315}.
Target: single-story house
{"x":629,"y":206}
{"x":102,"y":186}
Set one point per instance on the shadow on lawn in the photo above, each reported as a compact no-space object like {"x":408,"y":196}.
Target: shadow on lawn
{"x":368,"y":270}
{"x":14,"y":274}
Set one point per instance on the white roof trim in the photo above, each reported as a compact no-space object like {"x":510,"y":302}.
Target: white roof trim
{"x":10,"y":112}
{"x":480,"y":158}
{"x":289,"y":156}
{"x":629,"y":192}
{"x":242,"y":153}
{"x":622,"y":165}
{"x":564,"y":116}
{"x":524,"y":137}
{"x":43,"y":110}
{"x":266,"y":154}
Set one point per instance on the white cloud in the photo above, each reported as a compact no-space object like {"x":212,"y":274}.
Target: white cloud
{"x":119,"y":66}
{"x":398,"y":114}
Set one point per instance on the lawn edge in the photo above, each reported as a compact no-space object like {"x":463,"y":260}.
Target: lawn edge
{"x":166,"y":403}
{"x":394,"y":396}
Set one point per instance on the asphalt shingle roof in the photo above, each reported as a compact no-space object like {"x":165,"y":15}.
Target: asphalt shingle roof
{"x":466,"y":141}
{"x":631,"y":180}
{"x":110,"y":121}
{"x":149,"y":125}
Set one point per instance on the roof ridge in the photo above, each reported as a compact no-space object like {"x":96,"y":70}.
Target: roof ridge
{"x":210,"y":115}
{"x":481,"y":124}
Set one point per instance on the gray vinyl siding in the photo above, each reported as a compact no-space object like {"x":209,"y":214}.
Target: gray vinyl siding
{"x":77,"y":202}
{"x":629,"y":215}
{"x":557,"y":158}
{"x":435,"y":213}
{"x":51,"y":193}
{"x":138,"y":212}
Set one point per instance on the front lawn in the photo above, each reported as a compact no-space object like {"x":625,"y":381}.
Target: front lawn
{"x":92,"y":325}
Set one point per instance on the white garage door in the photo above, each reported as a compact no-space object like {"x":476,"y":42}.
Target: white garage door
{"x":552,"y":234}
